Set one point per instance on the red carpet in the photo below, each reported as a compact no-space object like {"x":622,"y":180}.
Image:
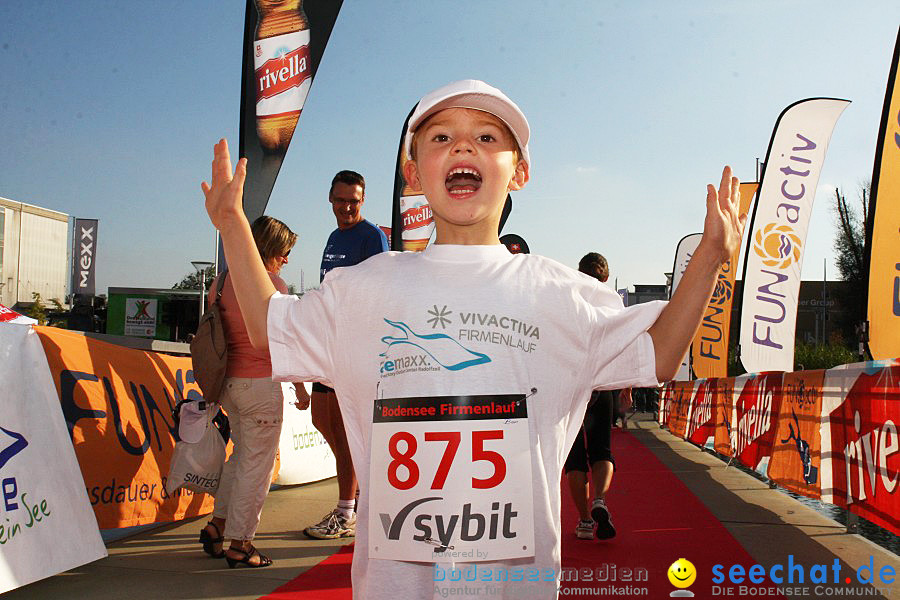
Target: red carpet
{"x":658,"y":521}
{"x":328,"y":580}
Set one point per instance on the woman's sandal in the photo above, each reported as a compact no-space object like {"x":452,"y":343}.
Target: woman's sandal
{"x":209,"y":541}
{"x":264,"y":561}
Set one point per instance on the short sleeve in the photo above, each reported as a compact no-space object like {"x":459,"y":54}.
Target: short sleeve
{"x":376,"y":243}
{"x":621,"y":351}
{"x":301,"y":335}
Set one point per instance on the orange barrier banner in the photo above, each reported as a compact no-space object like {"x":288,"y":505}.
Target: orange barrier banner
{"x":758,"y":401}
{"x":117,"y":404}
{"x":796,"y":455}
{"x":864,"y":444}
{"x":724,"y":391}
{"x":830,"y":435}
{"x":709,"y":350}
{"x":679,"y":405}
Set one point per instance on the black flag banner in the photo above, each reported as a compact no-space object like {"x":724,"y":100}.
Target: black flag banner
{"x":84,"y":256}
{"x":284,"y":41}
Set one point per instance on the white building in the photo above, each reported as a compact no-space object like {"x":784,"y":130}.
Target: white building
{"x":34,"y":244}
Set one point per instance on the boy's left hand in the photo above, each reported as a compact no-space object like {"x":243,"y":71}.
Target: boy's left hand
{"x":724,"y":225}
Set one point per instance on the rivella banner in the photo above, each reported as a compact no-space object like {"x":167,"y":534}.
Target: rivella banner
{"x":48,"y":526}
{"x":284,"y":41}
{"x":774,"y":256}
{"x":84,"y":256}
{"x":859,"y":432}
{"x":830,"y":435}
{"x":117,"y":403}
{"x":709,"y":350}
{"x":412,"y":223}
{"x":883,"y":228}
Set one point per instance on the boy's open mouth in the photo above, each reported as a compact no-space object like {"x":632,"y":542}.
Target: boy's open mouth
{"x":463,"y":180}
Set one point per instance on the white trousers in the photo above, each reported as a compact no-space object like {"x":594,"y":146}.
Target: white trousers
{"x":255,"y":412}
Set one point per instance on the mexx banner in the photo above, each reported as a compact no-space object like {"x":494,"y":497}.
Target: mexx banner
{"x":283,"y":44}
{"x":709,"y":350}
{"x":117,"y":403}
{"x":683,"y":253}
{"x":84,"y":256}
{"x":47,"y":526}
{"x":775,"y":244}
{"x":883,"y":228}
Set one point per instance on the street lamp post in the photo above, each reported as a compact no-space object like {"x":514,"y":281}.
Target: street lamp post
{"x":201,"y":266}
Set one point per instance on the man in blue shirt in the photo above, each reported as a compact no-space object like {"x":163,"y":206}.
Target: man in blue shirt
{"x":354,"y":240}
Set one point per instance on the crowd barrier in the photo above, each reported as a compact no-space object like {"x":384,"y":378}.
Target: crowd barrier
{"x":86,"y":437}
{"x":826,"y":434}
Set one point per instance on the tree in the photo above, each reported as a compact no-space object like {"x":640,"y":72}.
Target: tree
{"x":849,"y":245}
{"x":38,"y":311}
{"x":191,"y":281}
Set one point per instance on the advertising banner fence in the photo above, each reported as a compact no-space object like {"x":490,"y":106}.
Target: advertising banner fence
{"x":830,"y":435}
{"x":47,"y":525}
{"x":117,"y":404}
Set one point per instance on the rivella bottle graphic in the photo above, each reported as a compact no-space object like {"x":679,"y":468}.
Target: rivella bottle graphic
{"x":283,"y":71}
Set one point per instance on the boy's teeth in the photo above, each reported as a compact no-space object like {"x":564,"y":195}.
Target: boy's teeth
{"x":463,"y":180}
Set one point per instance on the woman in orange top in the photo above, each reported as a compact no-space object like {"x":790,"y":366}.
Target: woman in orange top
{"x":254,"y":404}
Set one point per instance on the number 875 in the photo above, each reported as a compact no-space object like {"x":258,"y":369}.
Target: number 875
{"x":406,"y":458}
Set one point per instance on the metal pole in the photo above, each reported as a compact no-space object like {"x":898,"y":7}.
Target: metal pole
{"x":824,"y":300}
{"x":202,"y":290}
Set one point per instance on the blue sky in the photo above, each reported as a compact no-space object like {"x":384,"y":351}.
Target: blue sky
{"x":109,"y":110}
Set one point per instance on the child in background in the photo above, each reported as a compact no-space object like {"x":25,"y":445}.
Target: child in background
{"x":463,"y":371}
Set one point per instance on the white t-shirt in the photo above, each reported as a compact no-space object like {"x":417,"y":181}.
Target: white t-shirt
{"x":460,"y":322}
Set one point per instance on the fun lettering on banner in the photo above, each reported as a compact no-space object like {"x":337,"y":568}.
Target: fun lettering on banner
{"x":117,"y":404}
{"x":777,"y":235}
{"x":861,"y":408}
{"x":797,"y":452}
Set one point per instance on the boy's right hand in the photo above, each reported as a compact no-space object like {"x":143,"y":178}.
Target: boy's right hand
{"x":224,"y":198}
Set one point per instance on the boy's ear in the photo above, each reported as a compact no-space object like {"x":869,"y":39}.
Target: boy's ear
{"x":411,"y":175}
{"x":520,"y":177}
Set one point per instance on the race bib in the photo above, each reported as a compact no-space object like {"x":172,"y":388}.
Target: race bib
{"x":451,"y":479}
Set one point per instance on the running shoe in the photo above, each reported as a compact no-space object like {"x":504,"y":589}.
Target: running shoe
{"x":600,"y":514}
{"x":584,"y":530}
{"x":334,"y":525}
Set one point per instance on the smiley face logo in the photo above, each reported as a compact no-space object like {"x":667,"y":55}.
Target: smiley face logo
{"x":682,"y":573}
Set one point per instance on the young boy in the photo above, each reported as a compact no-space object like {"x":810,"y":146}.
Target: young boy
{"x":463,"y":371}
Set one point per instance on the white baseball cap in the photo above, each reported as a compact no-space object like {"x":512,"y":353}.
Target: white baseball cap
{"x":471,"y":93}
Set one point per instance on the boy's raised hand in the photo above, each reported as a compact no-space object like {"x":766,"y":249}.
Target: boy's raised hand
{"x":224,"y":198}
{"x":724,"y":225}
